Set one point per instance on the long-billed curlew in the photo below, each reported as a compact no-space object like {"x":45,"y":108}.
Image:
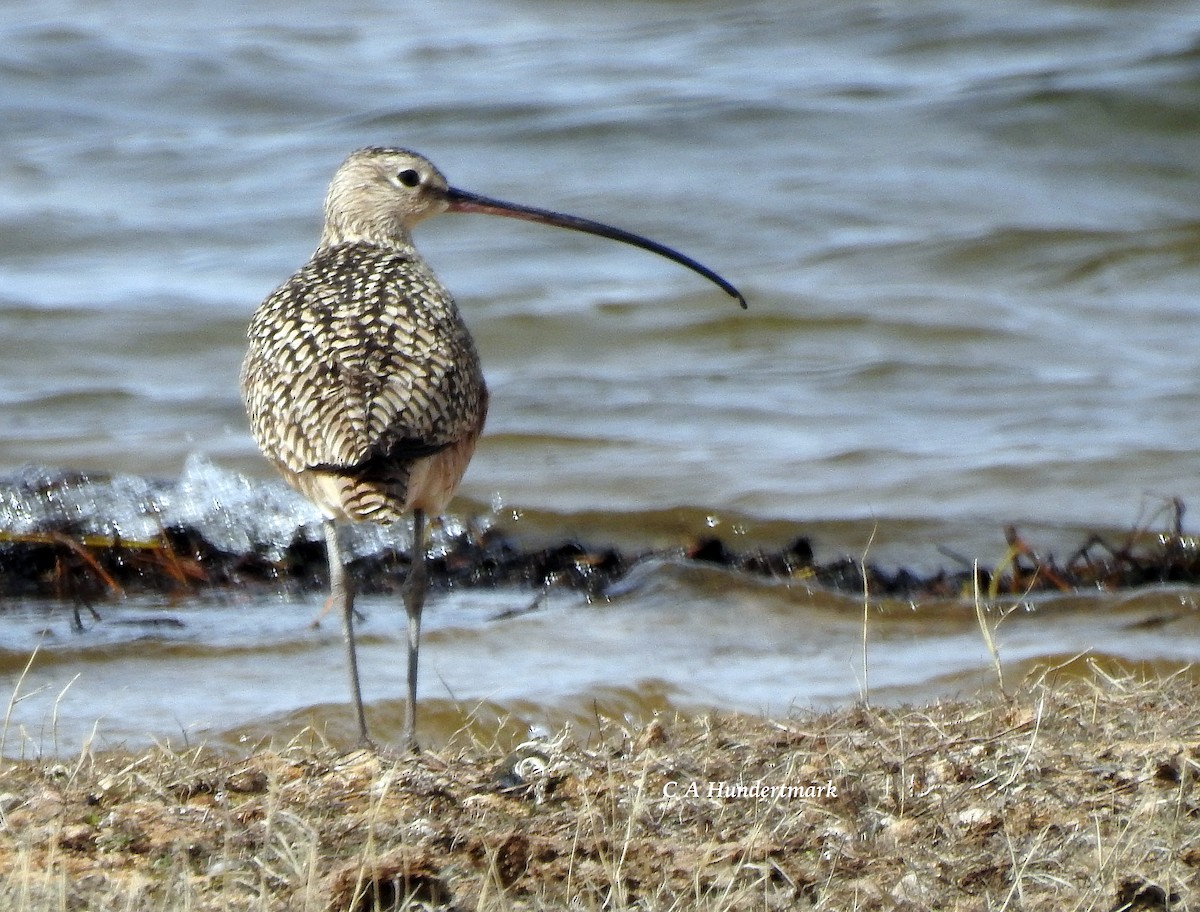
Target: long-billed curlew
{"x":362,"y":383}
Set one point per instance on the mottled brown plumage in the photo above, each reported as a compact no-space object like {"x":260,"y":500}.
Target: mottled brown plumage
{"x":361,"y":382}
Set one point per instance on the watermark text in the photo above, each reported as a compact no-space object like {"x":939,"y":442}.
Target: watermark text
{"x":743,"y":790}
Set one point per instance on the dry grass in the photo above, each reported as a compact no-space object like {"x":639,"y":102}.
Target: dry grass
{"x":1073,"y":794}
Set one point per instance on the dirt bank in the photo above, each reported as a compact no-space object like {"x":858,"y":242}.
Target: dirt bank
{"x":1075,"y":794}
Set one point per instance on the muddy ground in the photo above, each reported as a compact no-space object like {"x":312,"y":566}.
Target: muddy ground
{"x":1078,"y":792}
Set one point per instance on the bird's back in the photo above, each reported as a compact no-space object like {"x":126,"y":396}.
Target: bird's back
{"x":363,"y":385}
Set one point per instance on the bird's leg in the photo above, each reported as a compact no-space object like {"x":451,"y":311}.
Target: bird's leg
{"x":341,"y":593}
{"x":315,"y":623}
{"x":414,"y":600}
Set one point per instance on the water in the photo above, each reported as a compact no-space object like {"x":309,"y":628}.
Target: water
{"x":237,"y":670}
{"x":968,"y":235}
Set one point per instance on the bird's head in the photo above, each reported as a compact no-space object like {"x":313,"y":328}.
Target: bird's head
{"x":379,"y":194}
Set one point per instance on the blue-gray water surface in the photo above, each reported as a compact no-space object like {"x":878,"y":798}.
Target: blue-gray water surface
{"x":968,"y":234}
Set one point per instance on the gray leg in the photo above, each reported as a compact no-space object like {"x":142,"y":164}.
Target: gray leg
{"x":341,"y":594}
{"x":414,"y":601}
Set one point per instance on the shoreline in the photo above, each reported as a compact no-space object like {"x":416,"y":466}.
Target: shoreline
{"x":1075,"y":793}
{"x":57,"y":562}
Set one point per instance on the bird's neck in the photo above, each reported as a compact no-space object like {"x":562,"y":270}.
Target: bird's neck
{"x":339,"y":231}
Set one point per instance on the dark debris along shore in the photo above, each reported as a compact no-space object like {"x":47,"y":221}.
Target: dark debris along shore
{"x":62,"y":563}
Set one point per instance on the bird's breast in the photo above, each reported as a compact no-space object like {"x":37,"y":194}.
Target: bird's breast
{"x":360,"y":355}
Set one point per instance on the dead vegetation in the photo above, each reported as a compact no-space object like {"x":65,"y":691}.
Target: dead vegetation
{"x":61,"y":564}
{"x":1078,"y":793}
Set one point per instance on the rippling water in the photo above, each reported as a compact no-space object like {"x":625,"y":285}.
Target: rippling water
{"x":968,"y":233}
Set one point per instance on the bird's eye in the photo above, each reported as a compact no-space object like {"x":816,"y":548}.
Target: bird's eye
{"x":409,"y":177}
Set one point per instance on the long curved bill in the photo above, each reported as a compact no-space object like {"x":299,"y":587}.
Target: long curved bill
{"x":463,"y":201}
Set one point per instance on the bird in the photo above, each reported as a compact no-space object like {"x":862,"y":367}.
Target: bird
{"x":361,"y":382}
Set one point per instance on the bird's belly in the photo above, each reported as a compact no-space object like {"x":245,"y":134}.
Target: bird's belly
{"x":427,"y":483}
{"x":434,"y":479}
